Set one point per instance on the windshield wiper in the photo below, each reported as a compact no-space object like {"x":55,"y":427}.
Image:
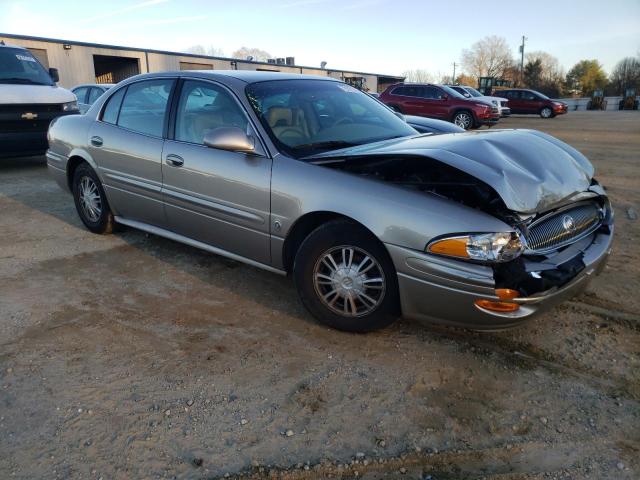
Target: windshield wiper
{"x":21,"y":80}
{"x":329,"y":144}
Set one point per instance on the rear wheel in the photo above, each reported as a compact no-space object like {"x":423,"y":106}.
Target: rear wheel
{"x":91,"y":202}
{"x":546,"y":112}
{"x":463,"y":119}
{"x":345,"y":278}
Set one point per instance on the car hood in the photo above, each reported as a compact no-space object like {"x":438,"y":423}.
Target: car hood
{"x":30,"y":94}
{"x":530,"y":170}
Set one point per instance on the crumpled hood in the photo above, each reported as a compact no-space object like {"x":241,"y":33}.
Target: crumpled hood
{"x":30,"y":94}
{"x":530,"y":170}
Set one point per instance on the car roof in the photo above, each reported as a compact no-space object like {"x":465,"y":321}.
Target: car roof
{"x":247,"y":76}
{"x":12,"y":46}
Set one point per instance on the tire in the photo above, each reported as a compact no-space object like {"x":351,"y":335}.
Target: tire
{"x":463,"y":119}
{"x":546,"y":112}
{"x":91,"y":202}
{"x":346,"y":309}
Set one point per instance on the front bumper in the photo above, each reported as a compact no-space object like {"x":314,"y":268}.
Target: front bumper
{"x":439,"y":290}
{"x":489,"y":120}
{"x":505,"y":111}
{"x":559,"y":110}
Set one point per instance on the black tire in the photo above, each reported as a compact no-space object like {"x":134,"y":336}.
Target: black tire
{"x":463,"y":119}
{"x":102,"y":221}
{"x":546,"y":112}
{"x":336,"y":236}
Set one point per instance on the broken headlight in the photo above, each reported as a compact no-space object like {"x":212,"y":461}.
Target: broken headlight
{"x":484,"y":247}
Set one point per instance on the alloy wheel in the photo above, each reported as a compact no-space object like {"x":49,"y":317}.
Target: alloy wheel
{"x":545,"y":113}
{"x":349,"y":281}
{"x":90,"y":200}
{"x":463,"y":120}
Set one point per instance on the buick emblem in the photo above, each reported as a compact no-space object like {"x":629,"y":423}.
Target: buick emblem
{"x":29,"y":116}
{"x":568,"y":223}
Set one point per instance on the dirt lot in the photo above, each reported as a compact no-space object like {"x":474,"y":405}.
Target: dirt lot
{"x":130,"y":356}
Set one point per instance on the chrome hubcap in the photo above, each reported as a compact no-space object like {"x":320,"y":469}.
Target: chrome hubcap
{"x":463,"y":120}
{"x":349,"y":281}
{"x":90,"y":200}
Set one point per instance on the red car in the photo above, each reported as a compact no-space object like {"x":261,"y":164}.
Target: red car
{"x":529,"y":101}
{"x":439,"y":101}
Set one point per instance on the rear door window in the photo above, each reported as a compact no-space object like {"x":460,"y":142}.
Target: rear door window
{"x":110,"y":114}
{"x":81,"y":94}
{"x":144,"y":106}
{"x":94,"y":94}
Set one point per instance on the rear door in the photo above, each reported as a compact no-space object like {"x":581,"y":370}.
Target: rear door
{"x":126,"y":143}
{"x":531,"y":103}
{"x":218,"y":197}
{"x":409,"y":97}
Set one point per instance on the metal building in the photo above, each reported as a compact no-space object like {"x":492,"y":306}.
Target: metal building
{"x":80,"y":62}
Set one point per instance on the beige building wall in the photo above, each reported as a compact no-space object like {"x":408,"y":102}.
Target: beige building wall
{"x":76,"y":65}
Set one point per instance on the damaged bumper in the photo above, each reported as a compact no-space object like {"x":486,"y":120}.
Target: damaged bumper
{"x":441,"y":290}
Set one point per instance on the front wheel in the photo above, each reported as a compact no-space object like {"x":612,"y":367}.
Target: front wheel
{"x":91,"y":201}
{"x":463,"y":119}
{"x":546,"y":112}
{"x":345,"y":278}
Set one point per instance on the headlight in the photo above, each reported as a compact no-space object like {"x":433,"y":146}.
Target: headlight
{"x":482,"y":105}
{"x":485,"y":247}
{"x":70,"y":106}
{"x":495,"y":102}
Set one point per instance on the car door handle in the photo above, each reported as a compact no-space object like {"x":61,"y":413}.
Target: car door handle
{"x":96,"y":141}
{"x":175,"y":160}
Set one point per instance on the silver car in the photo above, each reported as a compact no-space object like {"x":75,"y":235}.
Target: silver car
{"x":88,"y":93}
{"x":310,"y":177}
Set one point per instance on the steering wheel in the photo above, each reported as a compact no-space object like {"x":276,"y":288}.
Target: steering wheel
{"x":342,"y":121}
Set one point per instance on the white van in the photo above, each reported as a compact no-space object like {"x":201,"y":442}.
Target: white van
{"x":29,"y":100}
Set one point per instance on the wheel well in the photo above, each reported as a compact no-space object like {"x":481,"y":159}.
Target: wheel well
{"x":72,"y":164}
{"x":301,"y":230}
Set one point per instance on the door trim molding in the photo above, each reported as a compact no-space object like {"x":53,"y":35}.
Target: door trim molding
{"x":161,"y":232}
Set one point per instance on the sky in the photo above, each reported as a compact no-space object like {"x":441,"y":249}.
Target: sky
{"x":378,"y":36}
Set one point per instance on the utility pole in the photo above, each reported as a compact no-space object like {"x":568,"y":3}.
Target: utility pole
{"x":453,"y":79}
{"x":522,"y":58}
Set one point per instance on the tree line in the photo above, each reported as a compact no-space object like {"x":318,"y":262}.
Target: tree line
{"x":492,"y":57}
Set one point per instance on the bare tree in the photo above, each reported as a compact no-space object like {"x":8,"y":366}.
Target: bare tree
{"x":210,"y":51}
{"x":489,"y":57}
{"x":551,"y":70}
{"x":257,"y":54}
{"x":419,"y":76}
{"x":626,"y":74}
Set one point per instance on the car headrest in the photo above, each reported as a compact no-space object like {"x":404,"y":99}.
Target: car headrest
{"x":280,"y":117}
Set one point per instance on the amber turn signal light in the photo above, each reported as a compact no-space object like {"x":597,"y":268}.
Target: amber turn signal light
{"x":506,"y":293}
{"x":456,"y":247}
{"x":499,"y":307}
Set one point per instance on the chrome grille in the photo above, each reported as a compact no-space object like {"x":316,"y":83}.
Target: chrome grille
{"x":563,"y":227}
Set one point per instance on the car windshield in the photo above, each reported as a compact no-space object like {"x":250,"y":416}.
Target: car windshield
{"x":306,"y":117}
{"x":542,"y":95}
{"x":452,"y":92}
{"x":18,"y":66}
{"x":473,"y":92}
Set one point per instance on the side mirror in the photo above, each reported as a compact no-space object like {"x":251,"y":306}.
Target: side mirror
{"x":55,"y":76}
{"x":233,"y":139}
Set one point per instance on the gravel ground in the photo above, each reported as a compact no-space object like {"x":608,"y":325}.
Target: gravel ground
{"x":130,"y":356}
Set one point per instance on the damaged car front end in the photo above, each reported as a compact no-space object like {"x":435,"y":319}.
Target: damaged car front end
{"x":557,"y":223}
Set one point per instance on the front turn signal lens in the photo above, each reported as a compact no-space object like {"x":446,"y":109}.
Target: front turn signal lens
{"x":507,"y":293}
{"x":455,"y":247}
{"x":499,"y":307}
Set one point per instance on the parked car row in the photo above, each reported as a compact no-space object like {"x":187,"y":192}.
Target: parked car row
{"x":465,"y":106}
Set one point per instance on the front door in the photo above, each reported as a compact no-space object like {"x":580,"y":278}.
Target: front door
{"x":218,"y":197}
{"x":126,"y":144}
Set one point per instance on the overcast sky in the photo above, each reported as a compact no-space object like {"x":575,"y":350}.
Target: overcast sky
{"x":365,"y":35}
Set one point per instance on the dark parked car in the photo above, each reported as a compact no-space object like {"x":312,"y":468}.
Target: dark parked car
{"x":529,"y":101}
{"x":439,"y":101}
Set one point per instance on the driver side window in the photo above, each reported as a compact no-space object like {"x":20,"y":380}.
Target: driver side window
{"x":203,"y":107}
